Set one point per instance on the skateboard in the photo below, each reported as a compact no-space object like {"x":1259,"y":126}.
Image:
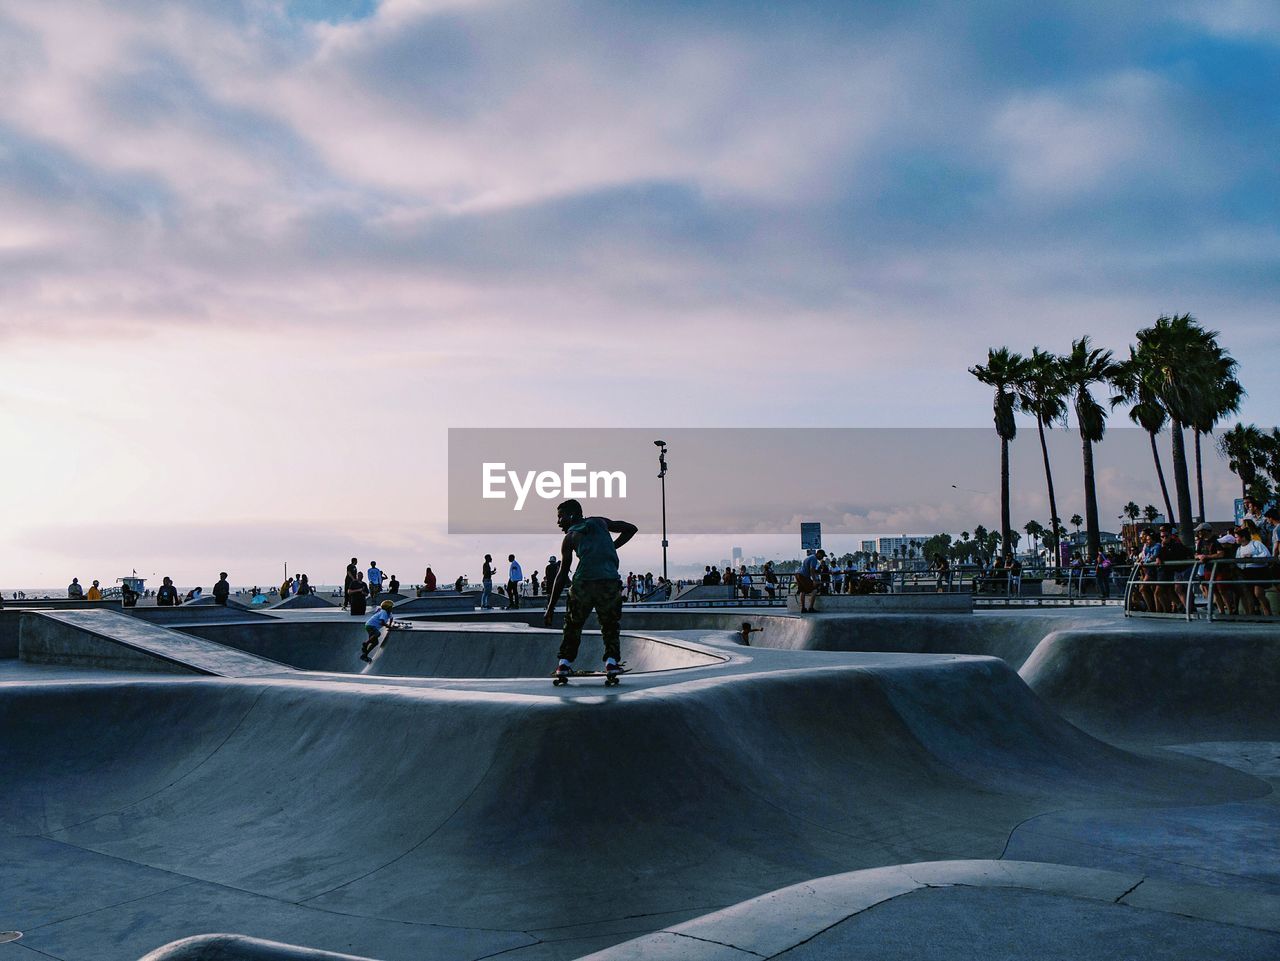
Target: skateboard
{"x":557,"y":680}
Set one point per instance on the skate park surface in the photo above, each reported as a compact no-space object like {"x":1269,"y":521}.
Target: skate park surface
{"x":1051,"y":783}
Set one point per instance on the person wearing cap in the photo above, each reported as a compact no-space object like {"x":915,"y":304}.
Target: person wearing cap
{"x":222,"y":589}
{"x":374,"y":626}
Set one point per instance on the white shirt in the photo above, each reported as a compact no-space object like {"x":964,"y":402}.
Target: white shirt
{"x":1254,"y":548}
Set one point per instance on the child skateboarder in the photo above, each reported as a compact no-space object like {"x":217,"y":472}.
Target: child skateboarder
{"x":596,"y":584}
{"x":374,"y":625}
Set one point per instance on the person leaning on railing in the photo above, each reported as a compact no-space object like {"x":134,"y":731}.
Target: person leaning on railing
{"x":1173,"y":555}
{"x":1208,"y":550}
{"x":1256,"y":573}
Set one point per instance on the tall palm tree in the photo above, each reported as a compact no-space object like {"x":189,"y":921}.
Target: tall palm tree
{"x":1003,"y":371}
{"x":1150,"y":513}
{"x":1171,"y":352}
{"x":1220,"y":398}
{"x":1042,"y":394}
{"x":1130,"y":387}
{"x":1131,"y":511}
{"x":1076,"y":521}
{"x":1243,"y":448}
{"x":1083,"y":367}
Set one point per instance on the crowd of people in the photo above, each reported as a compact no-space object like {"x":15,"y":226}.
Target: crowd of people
{"x":1236,"y":570}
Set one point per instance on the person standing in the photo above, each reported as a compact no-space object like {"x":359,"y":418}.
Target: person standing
{"x":533,"y":584}
{"x":358,"y":596}
{"x":486,"y":583}
{"x":349,"y":582}
{"x":514,"y":576}
{"x":286,"y":588}
{"x":596,"y":584}
{"x":221,"y":590}
{"x":549,"y":575}
{"x":376,"y":578}
{"x":167,"y":595}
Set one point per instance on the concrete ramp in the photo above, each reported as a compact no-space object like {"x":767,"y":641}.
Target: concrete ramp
{"x":300,"y":602}
{"x":106,"y":639}
{"x":445,"y":650}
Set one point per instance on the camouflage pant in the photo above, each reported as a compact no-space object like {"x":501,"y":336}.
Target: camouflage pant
{"x":606,"y":598}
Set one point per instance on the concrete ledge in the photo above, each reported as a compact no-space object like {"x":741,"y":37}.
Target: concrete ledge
{"x":888,"y":603}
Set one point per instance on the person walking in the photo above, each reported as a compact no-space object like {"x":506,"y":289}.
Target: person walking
{"x":514,"y":576}
{"x":596,"y":584}
{"x":221,"y":590}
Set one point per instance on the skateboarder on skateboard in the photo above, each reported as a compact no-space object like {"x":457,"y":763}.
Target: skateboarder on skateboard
{"x":596,"y":584}
{"x":374,"y":625}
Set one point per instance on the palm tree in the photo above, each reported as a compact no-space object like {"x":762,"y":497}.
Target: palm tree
{"x":1042,"y":394}
{"x":1172,"y":355}
{"x":1220,"y":398}
{"x":1243,"y":448}
{"x":1003,"y":371}
{"x":1131,"y":511}
{"x":1035,"y":531}
{"x":1076,"y":521}
{"x":1150,"y":513}
{"x":1083,"y":367}
{"x":1131,"y":388}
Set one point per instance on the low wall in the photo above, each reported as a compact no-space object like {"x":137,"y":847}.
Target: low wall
{"x":44,"y":640}
{"x":888,"y":603}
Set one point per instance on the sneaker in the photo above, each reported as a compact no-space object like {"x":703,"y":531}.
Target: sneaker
{"x":612,"y":669}
{"x":366,"y":658}
{"x":563,"y":670}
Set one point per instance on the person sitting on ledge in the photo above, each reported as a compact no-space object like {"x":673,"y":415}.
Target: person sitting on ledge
{"x":74,"y":591}
{"x":95,"y":592}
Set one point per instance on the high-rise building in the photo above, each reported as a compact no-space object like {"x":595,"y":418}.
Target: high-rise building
{"x":737,"y":556}
{"x":868,"y":547}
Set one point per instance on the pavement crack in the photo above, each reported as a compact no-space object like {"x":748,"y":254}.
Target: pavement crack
{"x":836,"y":924}
{"x":108,"y":907}
{"x":723,"y":944}
{"x":1130,"y":891}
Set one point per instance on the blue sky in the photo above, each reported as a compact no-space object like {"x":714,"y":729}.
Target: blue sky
{"x":738,"y":214}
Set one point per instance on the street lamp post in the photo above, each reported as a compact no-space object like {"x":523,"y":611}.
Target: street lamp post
{"x":662,"y":476}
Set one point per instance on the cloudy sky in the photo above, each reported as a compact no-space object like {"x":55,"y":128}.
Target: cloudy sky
{"x":257,"y":256}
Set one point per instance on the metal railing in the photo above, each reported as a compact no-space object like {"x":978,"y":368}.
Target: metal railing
{"x":1216,"y":589}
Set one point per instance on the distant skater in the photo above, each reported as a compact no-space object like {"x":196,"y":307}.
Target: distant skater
{"x":596,"y":584}
{"x":381,"y":619}
{"x":221,"y":590}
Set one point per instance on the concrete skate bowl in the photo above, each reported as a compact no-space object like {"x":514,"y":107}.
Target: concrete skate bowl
{"x":397,"y":822}
{"x":451,"y":651}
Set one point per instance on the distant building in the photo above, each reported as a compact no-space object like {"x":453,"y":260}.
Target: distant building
{"x":868,"y":547}
{"x":889,"y":546}
{"x":737,"y":556}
